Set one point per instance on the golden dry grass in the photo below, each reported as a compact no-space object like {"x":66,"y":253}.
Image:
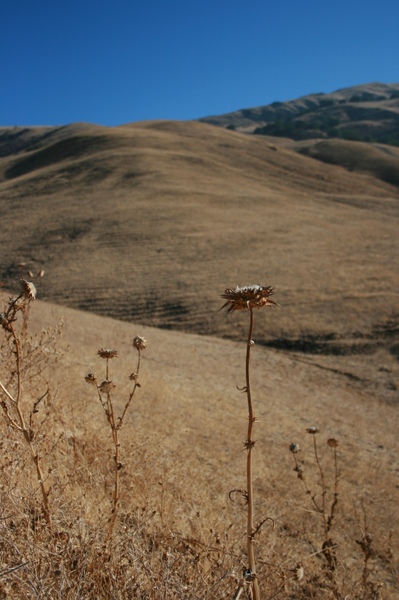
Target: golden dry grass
{"x":182,"y":450}
{"x":150,"y":223}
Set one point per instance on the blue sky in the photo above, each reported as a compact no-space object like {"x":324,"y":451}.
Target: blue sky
{"x":122,"y":61}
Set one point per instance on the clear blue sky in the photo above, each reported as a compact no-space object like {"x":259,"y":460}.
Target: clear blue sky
{"x":113,"y":62}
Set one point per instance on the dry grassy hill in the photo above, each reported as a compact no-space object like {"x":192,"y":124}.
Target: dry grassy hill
{"x":182,"y":454}
{"x":362,"y":112}
{"x":150,"y":222}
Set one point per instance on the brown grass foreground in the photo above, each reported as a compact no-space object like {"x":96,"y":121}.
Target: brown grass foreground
{"x":324,"y":468}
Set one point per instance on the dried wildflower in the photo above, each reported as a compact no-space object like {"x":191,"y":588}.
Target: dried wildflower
{"x":91,"y":378}
{"x":107,"y":353}
{"x":139,"y":343}
{"x":133,"y":376}
{"x":294,"y":448}
{"x":106,"y":387}
{"x":251,"y":296}
{"x":332,"y":442}
{"x":299,"y":572}
{"x":28,"y":289}
{"x":313,"y":430}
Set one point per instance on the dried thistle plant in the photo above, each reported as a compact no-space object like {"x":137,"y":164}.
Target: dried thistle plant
{"x":248,"y":298}
{"x":23,"y":360}
{"x":105,"y":391}
{"x":321,"y":505}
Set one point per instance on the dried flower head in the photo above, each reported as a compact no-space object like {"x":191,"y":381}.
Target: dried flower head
{"x":332,"y":442}
{"x":139,"y":343}
{"x":28,"y":289}
{"x":91,"y":378}
{"x":106,"y":387}
{"x":133,"y":376}
{"x":313,"y":430}
{"x":299,"y":572}
{"x":294,"y":448}
{"x":251,"y":296}
{"x":107,"y":353}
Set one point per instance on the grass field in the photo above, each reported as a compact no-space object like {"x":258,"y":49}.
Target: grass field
{"x":177,"y":534}
{"x":138,"y":231}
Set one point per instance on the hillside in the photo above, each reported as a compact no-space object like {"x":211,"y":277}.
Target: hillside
{"x":150,"y":222}
{"x":182,"y":454}
{"x":367,"y":112}
{"x":356,"y":127}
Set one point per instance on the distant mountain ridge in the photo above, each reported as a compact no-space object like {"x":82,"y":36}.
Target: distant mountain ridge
{"x":368,"y":112}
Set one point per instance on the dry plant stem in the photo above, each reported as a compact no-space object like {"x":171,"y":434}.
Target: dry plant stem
{"x":109,"y":411}
{"x":115,"y":439}
{"x":249,"y":446}
{"x":115,"y":425}
{"x":335,"y":500}
{"x":323,"y":487}
{"x":20,"y":425}
{"x":120,"y":420}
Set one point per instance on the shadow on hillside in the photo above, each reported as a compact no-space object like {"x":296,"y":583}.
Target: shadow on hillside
{"x":384,"y":335}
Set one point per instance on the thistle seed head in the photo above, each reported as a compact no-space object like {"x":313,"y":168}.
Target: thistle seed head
{"x":106,"y":387}
{"x":251,"y":296}
{"x":139,"y":343}
{"x":28,"y":289}
{"x":313,"y":430}
{"x":294,"y":448}
{"x":332,"y":442}
{"x":107,"y":353}
{"x":91,"y":378}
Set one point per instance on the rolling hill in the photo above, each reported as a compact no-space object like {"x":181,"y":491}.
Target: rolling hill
{"x":367,"y":112}
{"x":150,"y":222}
{"x":141,"y":228}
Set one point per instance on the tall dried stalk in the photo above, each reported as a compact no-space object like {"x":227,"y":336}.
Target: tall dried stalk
{"x":105,"y":396}
{"x":326,"y":512}
{"x":248,"y":298}
{"x":249,"y":445}
{"x":12,"y":401}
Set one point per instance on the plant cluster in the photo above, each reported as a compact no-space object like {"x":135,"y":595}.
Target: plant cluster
{"x":80,"y":521}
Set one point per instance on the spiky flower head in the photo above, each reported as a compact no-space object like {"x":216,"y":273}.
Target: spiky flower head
{"x":91,"y":378}
{"x":28,"y":289}
{"x":139,"y":343}
{"x":245,"y":298}
{"x":107,"y":353}
{"x":313,"y":430}
{"x":294,"y":448}
{"x":332,"y":442}
{"x":106,"y":387}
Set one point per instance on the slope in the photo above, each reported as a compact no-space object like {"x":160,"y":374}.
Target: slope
{"x":150,"y":222}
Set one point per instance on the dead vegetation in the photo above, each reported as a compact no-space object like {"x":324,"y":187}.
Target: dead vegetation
{"x":326,"y":523}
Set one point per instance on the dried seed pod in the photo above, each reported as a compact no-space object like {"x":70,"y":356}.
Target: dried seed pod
{"x":107,"y":353}
{"x":139,"y":343}
{"x":28,"y":289}
{"x":251,"y":296}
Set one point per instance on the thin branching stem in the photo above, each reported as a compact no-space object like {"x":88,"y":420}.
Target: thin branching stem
{"x":19,"y":422}
{"x":250,"y":446}
{"x":323,"y":487}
